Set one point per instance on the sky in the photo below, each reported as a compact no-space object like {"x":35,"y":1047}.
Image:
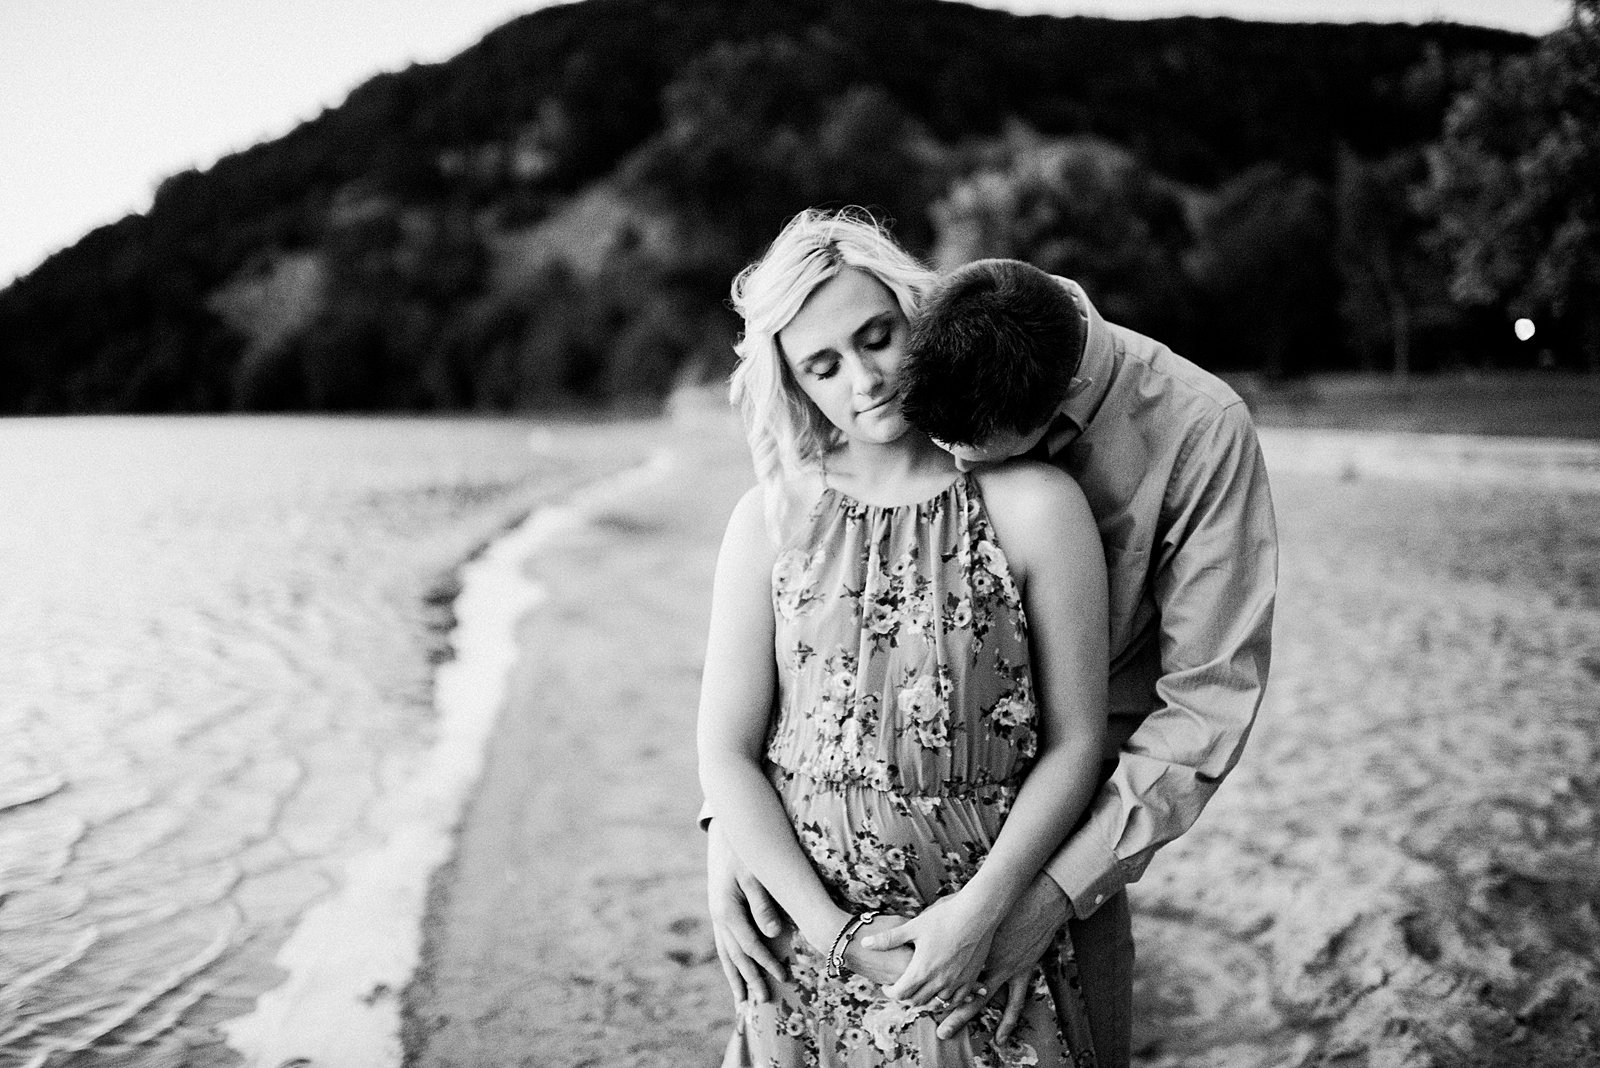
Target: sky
{"x":101,"y":99}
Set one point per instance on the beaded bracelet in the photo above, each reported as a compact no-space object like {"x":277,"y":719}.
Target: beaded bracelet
{"x":835,"y":967}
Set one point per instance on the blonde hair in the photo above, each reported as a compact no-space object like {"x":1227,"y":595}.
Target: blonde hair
{"x":786,"y":432}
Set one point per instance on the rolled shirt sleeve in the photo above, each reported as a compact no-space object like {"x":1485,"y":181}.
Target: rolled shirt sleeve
{"x":1214,"y":583}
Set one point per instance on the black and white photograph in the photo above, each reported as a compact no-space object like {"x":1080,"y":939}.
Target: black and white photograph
{"x":811,"y":534}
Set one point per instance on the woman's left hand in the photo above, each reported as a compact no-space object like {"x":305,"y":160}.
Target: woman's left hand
{"x":881,"y":966}
{"x":950,"y":944}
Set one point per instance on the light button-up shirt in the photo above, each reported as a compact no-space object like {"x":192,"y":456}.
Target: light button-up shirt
{"x":1167,"y":456}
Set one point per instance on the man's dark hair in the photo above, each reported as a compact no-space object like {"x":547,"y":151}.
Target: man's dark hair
{"x":992,"y":350}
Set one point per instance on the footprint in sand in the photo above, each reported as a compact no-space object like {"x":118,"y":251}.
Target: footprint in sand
{"x":1203,"y":996}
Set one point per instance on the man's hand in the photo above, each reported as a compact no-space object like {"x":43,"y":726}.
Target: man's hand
{"x":739,"y":905}
{"x":1019,"y":943}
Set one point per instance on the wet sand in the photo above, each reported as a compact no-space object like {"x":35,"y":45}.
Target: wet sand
{"x":570,"y":928}
{"x":1403,"y":871}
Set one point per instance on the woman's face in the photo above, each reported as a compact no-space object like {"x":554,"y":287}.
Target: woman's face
{"x":844,"y":348}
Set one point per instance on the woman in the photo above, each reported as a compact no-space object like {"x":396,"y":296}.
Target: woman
{"x":894,"y":710}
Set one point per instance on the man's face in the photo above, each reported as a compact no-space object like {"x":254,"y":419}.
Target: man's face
{"x":1000,"y":447}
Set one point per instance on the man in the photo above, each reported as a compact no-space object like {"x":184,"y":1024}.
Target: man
{"x":1005,"y":360}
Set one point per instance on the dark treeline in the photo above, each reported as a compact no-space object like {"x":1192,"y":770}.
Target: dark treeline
{"x":553,"y":216}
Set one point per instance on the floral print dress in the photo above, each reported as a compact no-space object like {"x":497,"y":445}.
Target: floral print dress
{"x":906,"y":721}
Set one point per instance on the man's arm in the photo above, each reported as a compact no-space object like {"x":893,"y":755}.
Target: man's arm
{"x":1215,"y":583}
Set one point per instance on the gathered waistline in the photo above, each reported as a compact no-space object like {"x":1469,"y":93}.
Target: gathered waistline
{"x":951,"y":789}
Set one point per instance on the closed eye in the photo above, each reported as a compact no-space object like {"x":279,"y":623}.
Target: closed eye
{"x":877,"y":335}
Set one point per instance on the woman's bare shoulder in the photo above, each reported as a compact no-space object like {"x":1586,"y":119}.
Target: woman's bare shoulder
{"x":759,"y":518}
{"x":747,"y":523}
{"x":1033,"y":504}
{"x":1027,"y":486}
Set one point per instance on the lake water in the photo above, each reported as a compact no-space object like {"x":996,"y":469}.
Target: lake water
{"x":217,"y":645}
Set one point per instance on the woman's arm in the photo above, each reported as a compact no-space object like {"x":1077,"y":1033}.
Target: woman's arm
{"x":736,"y":702}
{"x":1050,"y":540}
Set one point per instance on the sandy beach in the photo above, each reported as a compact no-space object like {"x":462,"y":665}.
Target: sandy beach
{"x":570,"y":928}
{"x":1403,"y":871}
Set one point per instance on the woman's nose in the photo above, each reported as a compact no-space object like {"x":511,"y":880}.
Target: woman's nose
{"x":868,"y":375}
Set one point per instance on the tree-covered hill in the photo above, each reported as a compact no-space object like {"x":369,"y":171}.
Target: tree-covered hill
{"x":553,"y":215}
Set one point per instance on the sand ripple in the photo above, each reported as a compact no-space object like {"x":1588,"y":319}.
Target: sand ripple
{"x":1405,"y":870}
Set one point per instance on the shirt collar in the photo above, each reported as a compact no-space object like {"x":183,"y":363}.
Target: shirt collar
{"x":1093,"y":378}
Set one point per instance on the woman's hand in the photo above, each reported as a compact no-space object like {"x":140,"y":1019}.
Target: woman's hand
{"x":882,"y":966}
{"x":950,"y":940}
{"x":1019,"y":944}
{"x":821,"y":928}
{"x":1015,"y":991}
{"x":745,"y":921}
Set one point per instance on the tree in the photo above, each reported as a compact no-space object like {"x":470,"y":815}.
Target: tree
{"x":1393,"y":291}
{"x":1081,"y":208}
{"x":395,"y":277}
{"x":759,"y":130}
{"x":1514,"y":187}
{"x":1262,"y":257}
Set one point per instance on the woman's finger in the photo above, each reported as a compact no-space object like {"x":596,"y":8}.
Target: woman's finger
{"x":729,"y":970}
{"x":761,"y":955}
{"x":893,"y":938}
{"x":763,"y":910}
{"x":946,"y":999}
{"x":1016,"y":998}
{"x":749,"y":949}
{"x":952,"y":989}
{"x":918,"y":987}
{"x":962,"y":1015}
{"x":744,"y":966}
{"x":912,"y":988}
{"x":755,"y":984}
{"x":962,"y":993}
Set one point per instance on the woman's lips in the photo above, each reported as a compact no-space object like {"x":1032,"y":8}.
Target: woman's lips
{"x":880,"y":404}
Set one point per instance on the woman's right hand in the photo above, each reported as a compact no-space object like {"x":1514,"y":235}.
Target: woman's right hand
{"x":745,"y":921}
{"x":882,"y":966}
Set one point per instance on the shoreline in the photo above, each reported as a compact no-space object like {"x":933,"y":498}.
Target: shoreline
{"x":342,"y":1008}
{"x":569,"y":925}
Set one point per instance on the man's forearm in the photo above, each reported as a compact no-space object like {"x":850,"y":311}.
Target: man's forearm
{"x":1084,"y":871}
{"x":1027,"y":930}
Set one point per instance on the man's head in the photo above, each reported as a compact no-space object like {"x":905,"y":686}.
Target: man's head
{"x":989,"y":358}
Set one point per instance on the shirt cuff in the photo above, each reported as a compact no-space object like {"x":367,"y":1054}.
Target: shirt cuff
{"x":1087,"y":872}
